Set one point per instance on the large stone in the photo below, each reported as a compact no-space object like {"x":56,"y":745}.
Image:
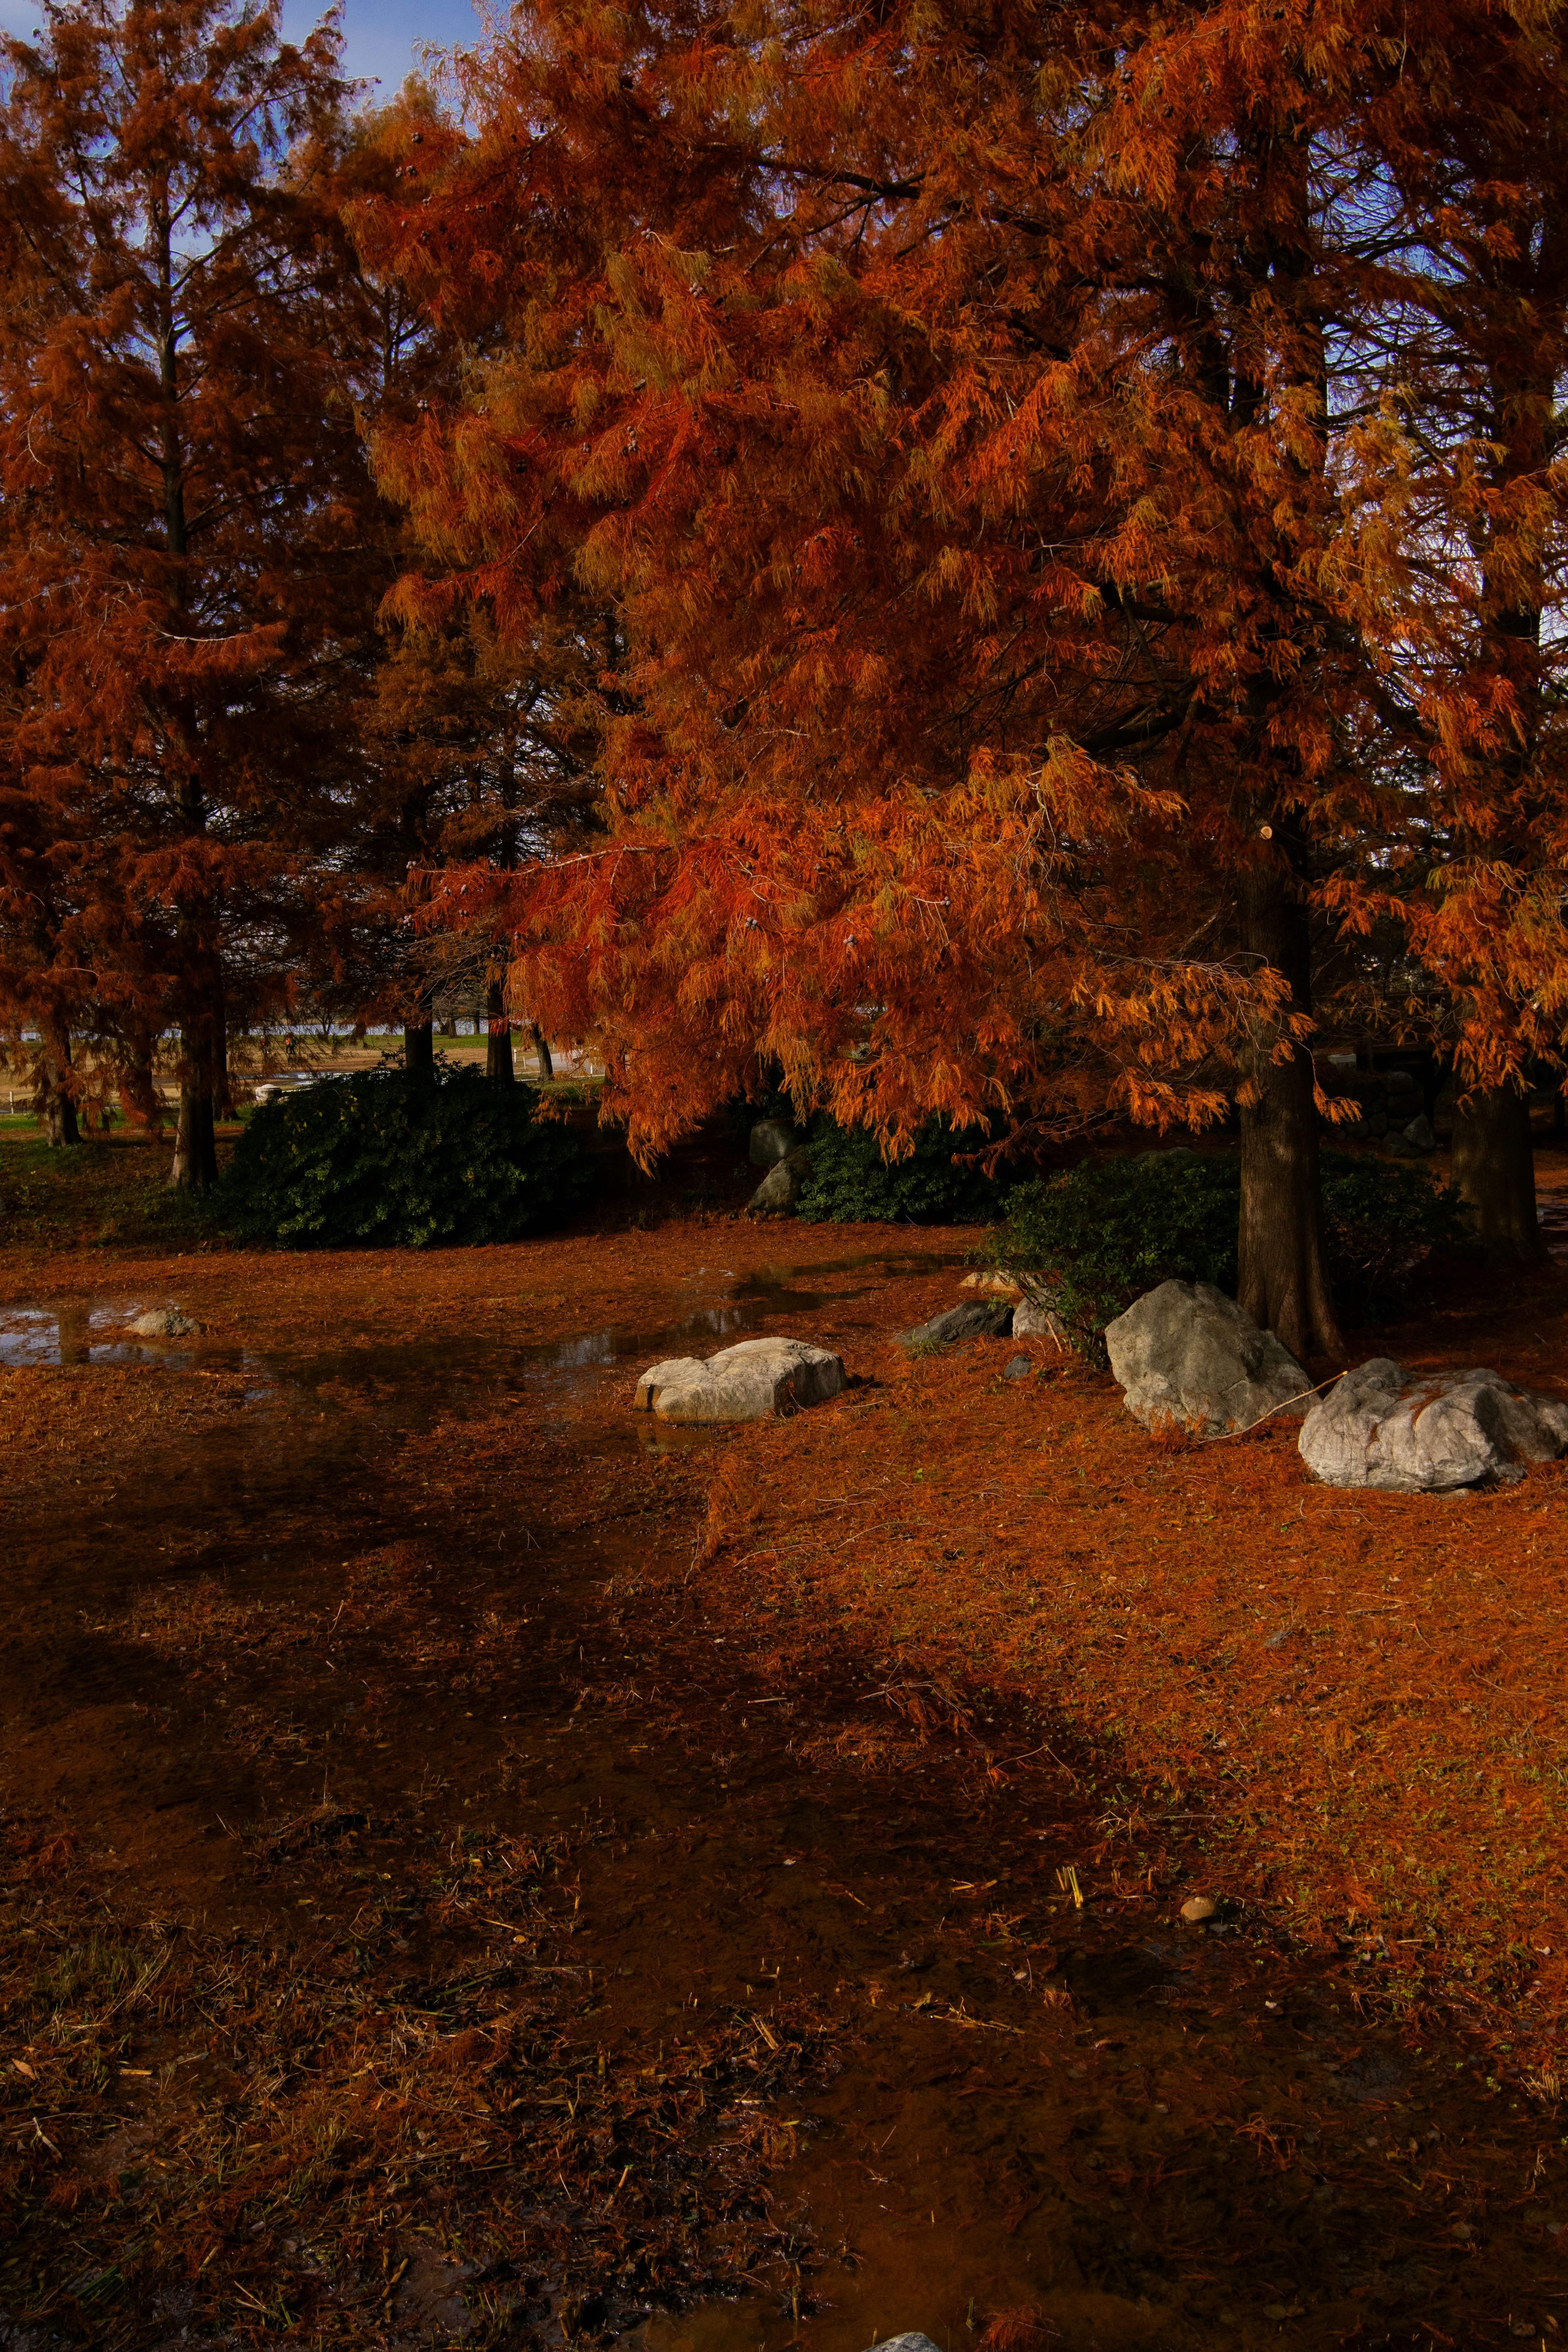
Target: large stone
{"x":970,"y":1321}
{"x":781,"y":1187}
{"x":163,"y":1323}
{"x":1376,"y":1428}
{"x":748,"y":1382}
{"x":774,"y":1140}
{"x":1188,"y":1354}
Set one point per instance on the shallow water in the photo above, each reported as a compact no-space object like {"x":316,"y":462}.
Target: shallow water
{"x":1144,"y":2134}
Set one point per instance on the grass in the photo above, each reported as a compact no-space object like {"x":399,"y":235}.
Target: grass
{"x":108,"y":1189}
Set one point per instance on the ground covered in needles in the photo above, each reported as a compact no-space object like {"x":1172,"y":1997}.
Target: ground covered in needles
{"x":479,"y":1867}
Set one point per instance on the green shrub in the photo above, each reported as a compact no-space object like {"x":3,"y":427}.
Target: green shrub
{"x":385,"y":1158}
{"x":850,"y":1181}
{"x":1104,"y":1234}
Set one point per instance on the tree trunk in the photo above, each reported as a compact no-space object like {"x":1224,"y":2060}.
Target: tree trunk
{"x":546,"y":1066}
{"x":56,"y":1104}
{"x":498,"y":1056}
{"x":196,"y":1152}
{"x":1494,"y":1169}
{"x":201,"y":1047}
{"x":196,"y":1149}
{"x":419,"y":1049}
{"x":1283,"y":1281}
{"x":139,"y":1096}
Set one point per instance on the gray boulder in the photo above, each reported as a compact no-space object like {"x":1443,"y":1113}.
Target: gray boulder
{"x":1035,"y":1320}
{"x":977,"y":1319}
{"x":774,"y":1140}
{"x":781,"y":1187}
{"x":751,"y":1382}
{"x":163,"y":1323}
{"x":1186,"y":1353}
{"x":1376,"y":1428}
{"x":1421,"y":1134}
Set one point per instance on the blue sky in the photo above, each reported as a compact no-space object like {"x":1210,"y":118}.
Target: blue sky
{"x":381,"y":35}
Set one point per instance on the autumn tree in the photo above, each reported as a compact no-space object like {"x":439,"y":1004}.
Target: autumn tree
{"x":1483,"y":349}
{"x":181,"y":480}
{"x":995,"y":438}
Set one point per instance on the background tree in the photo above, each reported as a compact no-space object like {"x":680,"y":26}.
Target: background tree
{"x":180,"y":480}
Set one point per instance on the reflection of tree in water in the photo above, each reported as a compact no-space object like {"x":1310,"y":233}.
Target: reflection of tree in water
{"x":73,"y":1337}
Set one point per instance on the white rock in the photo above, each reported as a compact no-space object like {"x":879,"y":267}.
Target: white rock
{"x":1186,"y":1353}
{"x":912,"y":2343}
{"x":163,"y":1323}
{"x":1376,"y":1428}
{"x":748,"y":1382}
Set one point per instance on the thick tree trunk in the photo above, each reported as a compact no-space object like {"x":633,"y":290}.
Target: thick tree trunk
{"x":1283,"y":1279}
{"x":57,"y":1104}
{"x":139,"y":1096}
{"x":419,"y":1049}
{"x":196,"y":1154}
{"x":546,"y":1066}
{"x":195,"y":1151}
{"x":195,"y":1147}
{"x":498,"y":1055}
{"x":1494,"y":1169}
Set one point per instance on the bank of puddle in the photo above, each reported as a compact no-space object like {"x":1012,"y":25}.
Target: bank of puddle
{"x":991,"y":2074}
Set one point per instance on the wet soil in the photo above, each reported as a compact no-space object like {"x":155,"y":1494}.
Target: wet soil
{"x":722,"y":1985}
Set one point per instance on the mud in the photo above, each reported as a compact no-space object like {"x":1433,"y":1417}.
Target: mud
{"x":327,"y":1648}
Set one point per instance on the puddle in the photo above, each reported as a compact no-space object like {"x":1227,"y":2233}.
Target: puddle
{"x":426,"y":1585}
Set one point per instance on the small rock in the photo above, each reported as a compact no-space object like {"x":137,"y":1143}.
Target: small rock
{"x":781,"y":1187}
{"x":1186,"y":1353}
{"x":997,"y":1284}
{"x":913,"y":2342}
{"x":1420,"y":1133}
{"x":1375,"y":1428}
{"x":1198,"y":1908}
{"x":751,"y":1382}
{"x":971,"y":1321}
{"x":774,"y":1140}
{"x":1035,"y":1320}
{"x":163,"y":1323}
{"x":1017,"y":1370}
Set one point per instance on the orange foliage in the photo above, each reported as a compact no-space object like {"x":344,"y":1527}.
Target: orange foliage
{"x":994,"y":450}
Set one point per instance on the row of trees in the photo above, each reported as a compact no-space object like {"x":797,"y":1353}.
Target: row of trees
{"x":1005,"y":561}
{"x":220,"y":762}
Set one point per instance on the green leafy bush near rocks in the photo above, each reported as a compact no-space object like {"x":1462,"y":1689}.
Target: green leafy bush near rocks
{"x":850,"y":1181}
{"x":1104,"y":1234}
{"x":386,"y":1158}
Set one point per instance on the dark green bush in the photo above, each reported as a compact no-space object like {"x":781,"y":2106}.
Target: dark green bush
{"x":1106,"y":1234}
{"x":386,"y":1158}
{"x":851,"y":1181}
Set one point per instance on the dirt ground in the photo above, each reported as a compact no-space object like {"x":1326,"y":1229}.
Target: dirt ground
{"x":482,"y":1869}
